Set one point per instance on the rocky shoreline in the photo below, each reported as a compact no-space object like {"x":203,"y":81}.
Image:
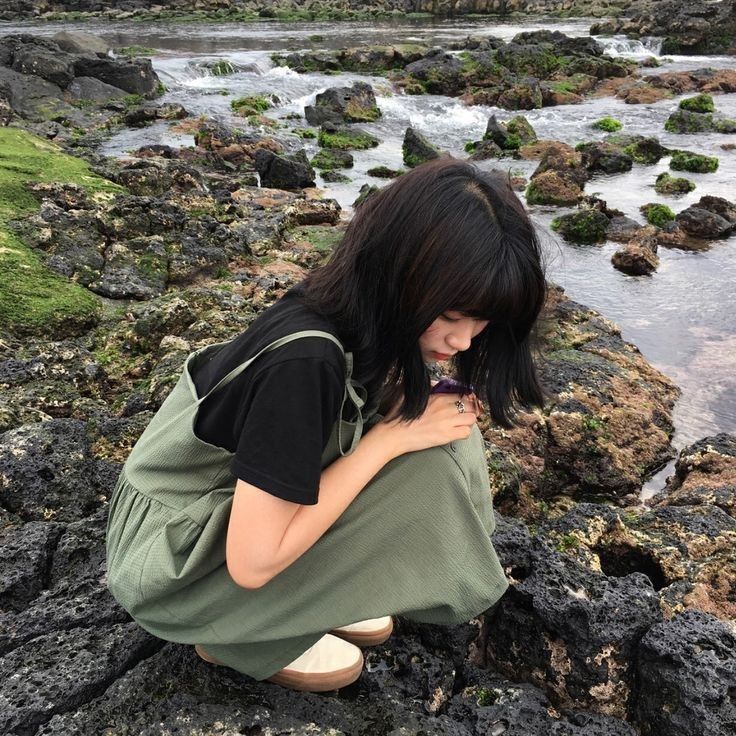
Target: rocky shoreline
{"x":620,"y":615}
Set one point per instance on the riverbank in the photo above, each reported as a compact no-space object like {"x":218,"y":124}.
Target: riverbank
{"x":179,"y":246}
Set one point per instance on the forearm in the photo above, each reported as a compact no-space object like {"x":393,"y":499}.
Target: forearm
{"x":340,"y":483}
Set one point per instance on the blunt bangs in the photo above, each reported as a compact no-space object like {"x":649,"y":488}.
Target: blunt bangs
{"x":444,"y":236}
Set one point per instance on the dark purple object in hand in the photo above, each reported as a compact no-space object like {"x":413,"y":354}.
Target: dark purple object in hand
{"x":451,"y":386}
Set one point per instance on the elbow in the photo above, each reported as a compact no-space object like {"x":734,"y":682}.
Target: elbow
{"x":248,"y":579}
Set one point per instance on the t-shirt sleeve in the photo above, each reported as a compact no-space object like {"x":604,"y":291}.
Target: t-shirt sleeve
{"x":294,"y":405}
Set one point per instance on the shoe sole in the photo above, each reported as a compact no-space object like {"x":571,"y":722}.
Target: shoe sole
{"x":318,"y":682}
{"x":296,"y":680}
{"x":365,"y":639}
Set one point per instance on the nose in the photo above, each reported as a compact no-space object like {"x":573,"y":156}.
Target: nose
{"x":461,"y":335}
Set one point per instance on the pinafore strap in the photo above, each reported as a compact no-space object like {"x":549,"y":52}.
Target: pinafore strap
{"x":351,"y":385}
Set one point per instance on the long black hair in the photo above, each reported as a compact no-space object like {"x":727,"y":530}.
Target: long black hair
{"x":444,"y":236}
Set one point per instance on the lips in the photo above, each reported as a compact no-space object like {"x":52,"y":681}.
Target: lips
{"x":442,"y":356}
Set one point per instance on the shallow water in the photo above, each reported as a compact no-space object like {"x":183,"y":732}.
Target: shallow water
{"x":681,"y":317}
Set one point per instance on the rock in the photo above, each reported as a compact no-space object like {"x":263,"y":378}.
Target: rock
{"x":383,"y":172}
{"x":584,"y":226}
{"x":135,"y":76}
{"x":31,"y":97}
{"x":666,"y":184}
{"x":60,"y":670}
{"x":496,"y":132}
{"x":695,"y":162}
{"x":25,"y":557}
{"x":622,"y":229}
{"x":345,"y":138}
{"x":334,"y":177}
{"x":657,"y":214}
{"x":683,"y":121}
{"x":522,"y":129}
{"x":642,"y":150}
{"x":600,"y":156}
{"x":525,"y":94}
{"x":700,"y":103}
{"x":364,"y":192}
{"x":142,"y":115}
{"x":701,"y":223}
{"x":551,"y":187}
{"x":338,"y":105}
{"x":690,"y":661}
{"x":567,"y":629}
{"x":53,"y":65}
{"x":89,"y":88}
{"x":416,"y":149}
{"x":333,"y":158}
{"x":565,"y":161}
{"x":704,"y":474}
{"x":78,"y":42}
{"x":284,"y":171}
{"x":638,"y":257}
{"x":718,"y":206}
{"x":47,"y":471}
{"x":438,"y":72}
{"x":483,"y":150}
{"x":697,"y":28}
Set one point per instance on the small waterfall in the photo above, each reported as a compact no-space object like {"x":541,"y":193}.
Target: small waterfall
{"x":630,"y":47}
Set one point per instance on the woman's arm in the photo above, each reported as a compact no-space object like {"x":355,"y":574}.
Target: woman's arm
{"x":266,"y":534}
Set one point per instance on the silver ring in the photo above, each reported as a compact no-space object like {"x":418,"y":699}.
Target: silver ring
{"x":460,"y":407}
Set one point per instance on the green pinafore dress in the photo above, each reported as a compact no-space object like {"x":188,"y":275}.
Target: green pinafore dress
{"x":414,"y":542}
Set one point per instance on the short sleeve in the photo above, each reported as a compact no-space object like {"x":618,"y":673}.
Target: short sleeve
{"x":294,"y":405}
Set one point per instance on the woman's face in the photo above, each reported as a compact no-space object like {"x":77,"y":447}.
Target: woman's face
{"x":450,"y":333}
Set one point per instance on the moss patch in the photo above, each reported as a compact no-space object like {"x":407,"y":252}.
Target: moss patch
{"x":33,"y":300}
{"x":666,"y":184}
{"x":248,"y":106}
{"x":695,"y":162}
{"x":609,"y":124}
{"x":699,"y":103}
{"x":657,"y":214}
{"x":346,"y":139}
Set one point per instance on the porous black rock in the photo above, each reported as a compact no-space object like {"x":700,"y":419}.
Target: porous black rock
{"x":687,"y":673}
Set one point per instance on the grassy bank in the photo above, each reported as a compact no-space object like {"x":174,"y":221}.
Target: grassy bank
{"x":34,"y":300}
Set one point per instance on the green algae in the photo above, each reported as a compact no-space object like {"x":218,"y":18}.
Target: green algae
{"x":609,"y":124}
{"x":657,"y":214}
{"x":346,"y":139}
{"x":694,"y":162}
{"x":34,"y":300}
{"x":699,"y":103}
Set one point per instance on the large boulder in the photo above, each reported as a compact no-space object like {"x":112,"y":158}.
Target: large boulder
{"x":703,"y":223}
{"x":89,"y":88}
{"x":337,"y":105}
{"x":638,"y":257}
{"x":551,"y":187}
{"x":601,"y":156}
{"x":53,"y":65}
{"x":135,"y":76}
{"x":438,"y":72}
{"x":286,"y":171}
{"x":79,"y":42}
{"x":417,"y":149}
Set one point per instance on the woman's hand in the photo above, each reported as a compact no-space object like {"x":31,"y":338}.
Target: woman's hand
{"x":440,"y":423}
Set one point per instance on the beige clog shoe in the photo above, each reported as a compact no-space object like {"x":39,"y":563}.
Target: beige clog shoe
{"x":330,"y":664}
{"x":367,"y":633}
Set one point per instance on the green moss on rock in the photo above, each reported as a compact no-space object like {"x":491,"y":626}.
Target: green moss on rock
{"x":699,"y":103}
{"x":346,"y":138}
{"x":33,"y":300}
{"x":252,"y":105}
{"x":694,"y":162}
{"x":657,"y":214}
{"x":609,"y":124}
{"x":667,"y":184}
{"x":583,"y":226}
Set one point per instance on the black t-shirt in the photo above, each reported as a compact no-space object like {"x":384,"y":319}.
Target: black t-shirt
{"x":276,"y":416}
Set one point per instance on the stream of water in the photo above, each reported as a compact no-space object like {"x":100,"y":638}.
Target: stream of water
{"x":681,"y":317}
